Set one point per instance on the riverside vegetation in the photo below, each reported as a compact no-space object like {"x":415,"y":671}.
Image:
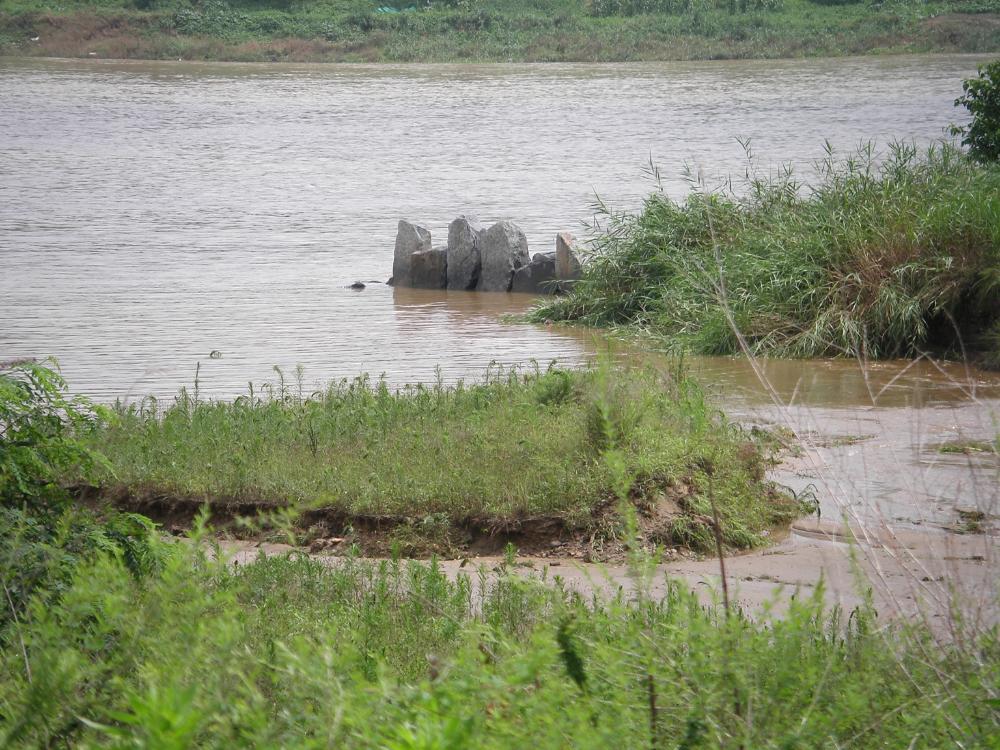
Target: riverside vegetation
{"x":501,"y":30}
{"x":433,"y":468}
{"x":891,"y":257}
{"x":111,"y":636}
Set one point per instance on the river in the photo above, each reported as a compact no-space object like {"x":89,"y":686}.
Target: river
{"x":152,"y":213}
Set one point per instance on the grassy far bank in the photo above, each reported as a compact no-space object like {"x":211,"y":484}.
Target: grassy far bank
{"x":434,"y":469}
{"x":878,"y":258}
{"x":475,"y":30}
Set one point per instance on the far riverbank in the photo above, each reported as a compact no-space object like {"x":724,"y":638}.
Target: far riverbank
{"x":507,"y":31}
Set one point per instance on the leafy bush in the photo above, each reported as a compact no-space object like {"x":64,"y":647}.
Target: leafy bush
{"x":982,"y":99}
{"x":40,"y":553}
{"x":39,"y":435}
{"x":43,"y":537}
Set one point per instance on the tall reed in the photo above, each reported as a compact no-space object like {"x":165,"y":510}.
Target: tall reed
{"x":884,"y":255}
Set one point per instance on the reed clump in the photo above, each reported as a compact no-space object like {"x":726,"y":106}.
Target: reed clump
{"x":879,"y":257}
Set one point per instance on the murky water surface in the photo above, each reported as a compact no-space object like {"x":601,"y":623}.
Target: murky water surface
{"x":151,"y":213}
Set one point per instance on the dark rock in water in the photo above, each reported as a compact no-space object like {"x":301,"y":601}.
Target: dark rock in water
{"x":568,"y":266}
{"x":358,"y":285}
{"x":464,"y":260}
{"x":538,"y":277}
{"x":215,"y":354}
{"x":503,"y":249}
{"x":429,"y":269}
{"x":410,"y":239}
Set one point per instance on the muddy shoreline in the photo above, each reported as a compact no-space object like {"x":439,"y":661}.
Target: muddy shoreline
{"x":908,"y":575}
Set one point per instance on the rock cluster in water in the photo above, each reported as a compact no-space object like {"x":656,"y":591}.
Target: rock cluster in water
{"x":493,"y":259}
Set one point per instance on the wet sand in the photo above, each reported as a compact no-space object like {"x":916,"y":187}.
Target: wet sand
{"x":901,"y":466}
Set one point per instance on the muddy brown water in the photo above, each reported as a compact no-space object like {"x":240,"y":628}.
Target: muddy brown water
{"x":151,"y":213}
{"x":154,"y":212}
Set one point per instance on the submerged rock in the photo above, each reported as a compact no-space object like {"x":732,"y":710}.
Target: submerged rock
{"x":464,"y":260}
{"x":538,"y":277}
{"x":357,"y":285}
{"x":503,"y":250}
{"x":410,"y":239}
{"x":429,"y":269}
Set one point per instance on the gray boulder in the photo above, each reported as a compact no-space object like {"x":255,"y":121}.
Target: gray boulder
{"x":410,"y":239}
{"x":503,"y":249}
{"x":429,"y":269}
{"x":464,"y":261}
{"x":538,"y":277}
{"x":568,"y":265}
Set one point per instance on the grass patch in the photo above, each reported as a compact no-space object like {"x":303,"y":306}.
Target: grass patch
{"x":970,"y":521}
{"x":288,"y":652}
{"x":513,"y":453}
{"x":841,"y":441}
{"x":505,"y":30}
{"x":969,"y":447}
{"x":888,"y":257}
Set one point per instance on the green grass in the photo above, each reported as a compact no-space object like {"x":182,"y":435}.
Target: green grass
{"x":502,"y":30}
{"x":112,"y":636}
{"x":288,"y":652}
{"x":878,"y":258}
{"x":502,"y":454}
{"x":968,"y":447}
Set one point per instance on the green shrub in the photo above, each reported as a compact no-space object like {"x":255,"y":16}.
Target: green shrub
{"x":39,"y":435}
{"x":39,"y":553}
{"x":982,"y":99}
{"x":43,"y":536}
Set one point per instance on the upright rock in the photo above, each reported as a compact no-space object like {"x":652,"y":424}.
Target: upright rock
{"x":538,"y":277}
{"x":504,"y":249}
{"x":410,"y":239}
{"x":429,"y":269}
{"x":568,"y":265}
{"x":464,"y":260}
